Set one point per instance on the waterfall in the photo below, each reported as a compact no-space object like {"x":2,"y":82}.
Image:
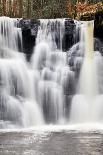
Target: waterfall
{"x":55,"y":87}
{"x":50,"y":63}
{"x":88,"y":72}
{"x":18,"y":106}
{"x":86,"y":104}
{"x":10,"y":36}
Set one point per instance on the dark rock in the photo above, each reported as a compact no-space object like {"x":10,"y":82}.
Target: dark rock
{"x":98,"y":45}
{"x":29,"y":24}
{"x":69,"y":26}
{"x":28,"y":42}
{"x":29,"y":33}
{"x":30,"y":29}
{"x":98,"y":25}
{"x":70,"y":30}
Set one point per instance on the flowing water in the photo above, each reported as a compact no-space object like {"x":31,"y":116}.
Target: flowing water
{"x":55,"y":88}
{"x":56,"y":143}
{"x":18,"y":106}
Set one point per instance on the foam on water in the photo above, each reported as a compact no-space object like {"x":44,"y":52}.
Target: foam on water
{"x":88,"y":98}
{"x":18,"y":107}
{"x":56,"y":90}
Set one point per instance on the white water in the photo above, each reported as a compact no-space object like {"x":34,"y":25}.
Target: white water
{"x":10,"y":36}
{"x":87,"y":103}
{"x":55,"y":87}
{"x":49,"y":63}
{"x":18,"y":105}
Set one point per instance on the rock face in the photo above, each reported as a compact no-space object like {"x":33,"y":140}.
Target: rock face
{"x":99,"y":25}
{"x":70,"y":31}
{"x":29,"y":33}
{"x":30,"y":29}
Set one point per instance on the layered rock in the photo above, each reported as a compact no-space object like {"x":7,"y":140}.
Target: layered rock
{"x":30,"y":29}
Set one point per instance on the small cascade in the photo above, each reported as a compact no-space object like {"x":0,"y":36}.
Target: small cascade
{"x":84,"y":103}
{"x":10,"y":35}
{"x":89,"y":71}
{"x":18,"y":107}
{"x":50,"y":63}
{"x":51,"y":31}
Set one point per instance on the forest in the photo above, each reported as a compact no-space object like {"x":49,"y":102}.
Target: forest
{"x":29,"y":9}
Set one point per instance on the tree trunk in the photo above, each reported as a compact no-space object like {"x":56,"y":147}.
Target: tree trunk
{"x":29,"y":9}
{"x":4,"y":7}
{"x":20,"y":8}
{"x":0,"y":7}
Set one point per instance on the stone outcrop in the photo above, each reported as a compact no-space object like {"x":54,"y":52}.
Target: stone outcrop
{"x":30,"y":29}
{"x":70,"y":31}
{"x":29,"y":33}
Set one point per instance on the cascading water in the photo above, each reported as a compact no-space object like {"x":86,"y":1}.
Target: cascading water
{"x":50,"y":63}
{"x":87,"y":103}
{"x":18,"y":106}
{"x":10,"y":36}
{"x":55,"y":87}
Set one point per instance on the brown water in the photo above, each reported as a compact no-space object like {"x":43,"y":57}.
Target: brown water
{"x":51,"y":143}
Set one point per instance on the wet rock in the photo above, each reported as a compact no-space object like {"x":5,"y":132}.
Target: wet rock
{"x":30,"y":29}
{"x":69,"y":37}
{"x":29,"y":24}
{"x":69,"y":26}
{"x":29,"y":33}
{"x":98,"y":45}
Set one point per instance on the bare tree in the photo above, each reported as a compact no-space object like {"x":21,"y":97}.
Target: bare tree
{"x":28,"y":8}
{"x":20,"y":8}
{"x":4,"y":7}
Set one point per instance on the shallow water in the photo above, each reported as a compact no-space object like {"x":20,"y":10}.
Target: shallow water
{"x":43,"y":142}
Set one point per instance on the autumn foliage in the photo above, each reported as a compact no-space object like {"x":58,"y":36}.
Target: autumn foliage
{"x":85,"y":8}
{"x":48,"y":8}
{"x":9,"y":8}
